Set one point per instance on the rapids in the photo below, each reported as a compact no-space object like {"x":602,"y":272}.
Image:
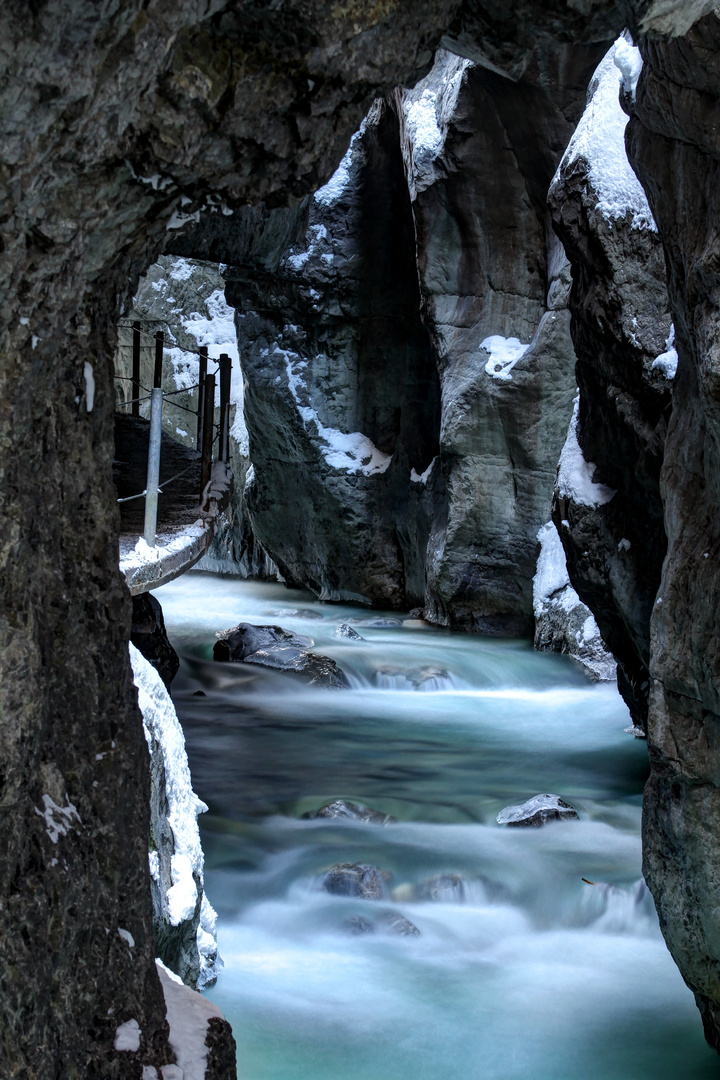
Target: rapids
{"x":525,"y":972}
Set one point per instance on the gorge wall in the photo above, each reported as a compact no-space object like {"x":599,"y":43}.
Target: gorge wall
{"x":117,"y":124}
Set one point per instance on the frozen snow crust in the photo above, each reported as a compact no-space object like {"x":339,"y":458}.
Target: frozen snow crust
{"x":599,"y":140}
{"x":183,"y":917}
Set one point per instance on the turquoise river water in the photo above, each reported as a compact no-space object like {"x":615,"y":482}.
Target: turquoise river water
{"x":528,"y":973}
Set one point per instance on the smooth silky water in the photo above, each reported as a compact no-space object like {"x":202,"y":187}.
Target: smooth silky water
{"x":535,"y":975}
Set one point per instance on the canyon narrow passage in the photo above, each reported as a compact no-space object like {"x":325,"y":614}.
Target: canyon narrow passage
{"x":521,"y":970}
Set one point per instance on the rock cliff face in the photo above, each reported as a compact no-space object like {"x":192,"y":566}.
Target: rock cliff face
{"x":113,"y":117}
{"x":673,"y":143}
{"x":342,"y":391}
{"x":611,"y":520}
{"x":404,"y":442}
{"x":480,"y":153}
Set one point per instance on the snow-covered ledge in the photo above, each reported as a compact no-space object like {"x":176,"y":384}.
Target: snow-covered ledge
{"x":147,"y":568}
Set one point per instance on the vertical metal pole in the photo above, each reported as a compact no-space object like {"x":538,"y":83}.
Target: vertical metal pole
{"x":153,"y":472}
{"x":207,"y":443}
{"x":201,"y":397}
{"x":159,"y":345}
{"x":135,"y":408}
{"x":225,"y":377}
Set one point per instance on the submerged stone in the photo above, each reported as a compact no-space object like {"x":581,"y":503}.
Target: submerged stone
{"x":537,"y":811}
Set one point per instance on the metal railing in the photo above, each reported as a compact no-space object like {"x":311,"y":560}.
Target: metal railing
{"x":206,"y":435}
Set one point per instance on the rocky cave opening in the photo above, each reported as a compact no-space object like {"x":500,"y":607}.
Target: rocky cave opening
{"x":463,"y":258}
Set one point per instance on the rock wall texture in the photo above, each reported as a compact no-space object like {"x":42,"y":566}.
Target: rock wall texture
{"x":118,"y":122}
{"x":614,"y":542}
{"x":673,"y":144}
{"x":480,"y":152}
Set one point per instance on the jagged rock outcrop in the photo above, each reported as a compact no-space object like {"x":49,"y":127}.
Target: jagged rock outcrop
{"x":112,"y":118}
{"x":562,"y":622}
{"x":183,"y":918}
{"x":673,"y":144}
{"x":610,"y":517}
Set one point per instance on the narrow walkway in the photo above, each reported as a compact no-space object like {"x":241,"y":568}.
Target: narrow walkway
{"x":184,"y":531}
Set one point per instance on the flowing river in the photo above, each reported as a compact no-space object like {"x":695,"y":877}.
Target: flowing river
{"x":521,"y":970}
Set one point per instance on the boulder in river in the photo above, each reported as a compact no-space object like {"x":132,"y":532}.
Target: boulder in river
{"x":274,"y":647}
{"x":537,"y":811}
{"x":356,"y":879}
{"x":340,"y":809}
{"x":346,"y":631}
{"x":149,"y":636}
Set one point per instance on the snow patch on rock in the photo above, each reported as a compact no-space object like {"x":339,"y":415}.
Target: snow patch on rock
{"x":59,"y":820}
{"x":188,"y":1014}
{"x":427,"y":110}
{"x":667,"y":362}
{"x":504,"y":355}
{"x":127,"y":1036}
{"x":575,"y":474}
{"x":423,"y":477}
{"x":562,"y":622}
{"x":599,"y":140}
{"x":353,"y":452}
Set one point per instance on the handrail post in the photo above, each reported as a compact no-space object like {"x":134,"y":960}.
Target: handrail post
{"x":135,"y":369}
{"x":207,"y":443}
{"x":202,"y":374}
{"x":225,"y":377}
{"x":153,"y":471}
{"x":159,"y":346}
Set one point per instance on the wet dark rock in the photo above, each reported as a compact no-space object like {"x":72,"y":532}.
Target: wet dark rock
{"x":274,"y":647}
{"x":537,"y":811}
{"x":346,"y":631}
{"x":149,"y":636}
{"x":444,"y":888}
{"x":356,"y":879}
{"x":199,"y":693}
{"x":342,"y":810}
{"x":221,"y":1061}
